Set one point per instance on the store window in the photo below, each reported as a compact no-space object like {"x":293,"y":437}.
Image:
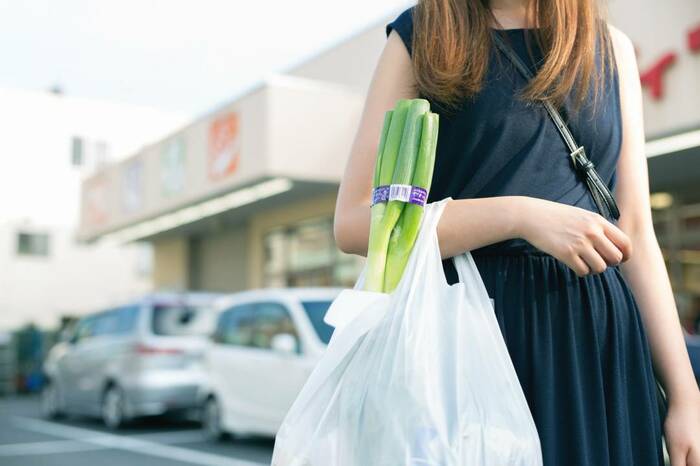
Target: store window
{"x":305,"y":254}
{"x":77,"y":153}
{"x":84,"y":151}
{"x":33,"y":244}
{"x":677,"y":226}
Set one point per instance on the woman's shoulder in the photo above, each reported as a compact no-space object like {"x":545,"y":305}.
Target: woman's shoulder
{"x":622,"y":45}
{"x":403,"y":25}
{"x":624,"y":56}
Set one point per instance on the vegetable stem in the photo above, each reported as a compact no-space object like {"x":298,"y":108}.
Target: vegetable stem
{"x":404,"y":234}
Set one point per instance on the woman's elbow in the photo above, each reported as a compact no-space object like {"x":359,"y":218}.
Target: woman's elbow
{"x":340,"y":234}
{"x":347,"y":236}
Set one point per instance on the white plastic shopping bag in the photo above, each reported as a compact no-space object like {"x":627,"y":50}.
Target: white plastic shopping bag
{"x":416,"y":377}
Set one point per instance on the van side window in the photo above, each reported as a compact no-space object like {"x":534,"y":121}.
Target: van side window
{"x":105,"y":323}
{"x":126,"y":320}
{"x":118,"y":321}
{"x":235,"y":326}
{"x":271,"y":319}
{"x":181,"y":320}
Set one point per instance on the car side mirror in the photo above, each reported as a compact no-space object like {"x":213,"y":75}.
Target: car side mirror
{"x":284,"y":343}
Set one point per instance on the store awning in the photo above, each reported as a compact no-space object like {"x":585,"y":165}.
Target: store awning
{"x":674,"y":163}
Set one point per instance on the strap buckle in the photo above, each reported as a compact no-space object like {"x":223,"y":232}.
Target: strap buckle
{"x":580,"y":161}
{"x":575,"y":154}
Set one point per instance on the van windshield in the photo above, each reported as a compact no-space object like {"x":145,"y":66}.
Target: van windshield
{"x":178,"y":320}
{"x":316,"y":310}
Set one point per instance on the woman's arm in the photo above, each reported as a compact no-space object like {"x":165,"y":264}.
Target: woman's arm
{"x":392,"y":80}
{"x":465,"y":224}
{"x":646,"y":271}
{"x":583,"y":240}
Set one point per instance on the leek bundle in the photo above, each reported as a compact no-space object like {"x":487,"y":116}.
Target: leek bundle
{"x":402,"y":175}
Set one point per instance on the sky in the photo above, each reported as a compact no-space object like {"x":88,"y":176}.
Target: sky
{"x":184,"y":56}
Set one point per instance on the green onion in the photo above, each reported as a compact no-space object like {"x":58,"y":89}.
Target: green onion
{"x":404,"y":234}
{"x":398,"y":161}
{"x":380,"y":149}
{"x":388,"y":151}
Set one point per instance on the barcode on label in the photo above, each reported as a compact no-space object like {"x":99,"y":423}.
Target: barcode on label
{"x":400,"y":192}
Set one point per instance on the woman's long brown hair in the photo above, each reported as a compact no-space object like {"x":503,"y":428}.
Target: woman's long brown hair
{"x":451,"y":43}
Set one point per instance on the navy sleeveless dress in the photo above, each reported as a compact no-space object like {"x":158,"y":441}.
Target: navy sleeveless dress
{"x":577,"y":343}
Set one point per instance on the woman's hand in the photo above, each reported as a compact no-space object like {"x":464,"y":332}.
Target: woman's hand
{"x":682,"y":428}
{"x":583,"y":240}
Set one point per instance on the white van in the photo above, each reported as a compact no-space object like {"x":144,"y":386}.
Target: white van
{"x":265,"y":345}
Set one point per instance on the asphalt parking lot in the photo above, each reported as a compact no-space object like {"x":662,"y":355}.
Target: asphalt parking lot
{"x":28,"y":440}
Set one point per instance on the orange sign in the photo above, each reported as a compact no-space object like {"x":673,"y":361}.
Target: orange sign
{"x":224,"y":146}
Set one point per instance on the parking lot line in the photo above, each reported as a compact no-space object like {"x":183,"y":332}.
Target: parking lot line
{"x":74,"y":446}
{"x":46,"y":448}
{"x":171,"y":438}
{"x":134,"y":445}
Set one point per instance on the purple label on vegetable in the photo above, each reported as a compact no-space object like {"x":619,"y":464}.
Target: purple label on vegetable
{"x":380,"y":194}
{"x":418,"y":196}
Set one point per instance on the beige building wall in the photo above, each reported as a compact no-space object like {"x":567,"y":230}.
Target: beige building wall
{"x":350,"y":63}
{"x":311,"y":127}
{"x":218,"y":260}
{"x":170,"y":263}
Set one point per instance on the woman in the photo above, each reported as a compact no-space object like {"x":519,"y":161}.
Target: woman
{"x":583,"y":301}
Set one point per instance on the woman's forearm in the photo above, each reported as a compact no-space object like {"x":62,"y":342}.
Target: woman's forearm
{"x":646,"y":273}
{"x":465,"y":224}
{"x":468,"y":224}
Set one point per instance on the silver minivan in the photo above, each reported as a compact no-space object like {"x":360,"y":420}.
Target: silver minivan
{"x":139,"y":359}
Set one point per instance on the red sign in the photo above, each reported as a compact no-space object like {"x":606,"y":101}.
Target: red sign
{"x":653,"y":77}
{"x":694,"y":40}
{"x":224,"y":146}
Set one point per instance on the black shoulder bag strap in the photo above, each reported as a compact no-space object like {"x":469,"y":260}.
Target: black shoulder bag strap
{"x":602,"y":196}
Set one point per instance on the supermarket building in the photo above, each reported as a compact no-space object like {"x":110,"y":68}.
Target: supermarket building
{"x":244,"y":196}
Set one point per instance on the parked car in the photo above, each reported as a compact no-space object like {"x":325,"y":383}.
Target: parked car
{"x":265,"y":345}
{"x":139,"y":359}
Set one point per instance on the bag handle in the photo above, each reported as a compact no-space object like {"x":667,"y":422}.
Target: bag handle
{"x":464,"y":265}
{"x":468,"y":274}
{"x":604,"y":200}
